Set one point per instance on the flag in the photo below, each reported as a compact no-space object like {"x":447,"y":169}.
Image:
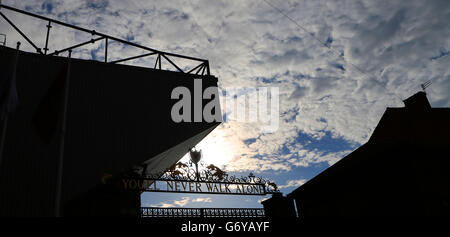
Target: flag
{"x":47,"y":115}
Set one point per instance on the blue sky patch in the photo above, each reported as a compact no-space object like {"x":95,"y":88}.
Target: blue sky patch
{"x":329,"y":41}
{"x":249,"y":141}
{"x":442,"y":53}
{"x":47,"y":6}
{"x":97,"y":4}
{"x":327,"y":143}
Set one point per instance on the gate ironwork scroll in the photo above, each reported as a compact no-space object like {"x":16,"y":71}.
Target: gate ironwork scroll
{"x":187,"y":178}
{"x":181,"y":178}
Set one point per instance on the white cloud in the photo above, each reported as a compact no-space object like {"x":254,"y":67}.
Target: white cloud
{"x":293,"y":183}
{"x":249,"y":44}
{"x":202,"y":200}
{"x":175,"y":203}
{"x":182,"y":202}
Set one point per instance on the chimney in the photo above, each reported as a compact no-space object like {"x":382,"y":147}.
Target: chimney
{"x":417,"y":102}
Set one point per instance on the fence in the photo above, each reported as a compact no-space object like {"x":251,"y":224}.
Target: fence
{"x":201,"y":212}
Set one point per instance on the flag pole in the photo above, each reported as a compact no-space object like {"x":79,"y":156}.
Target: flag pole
{"x":62,"y":140}
{"x":5,"y":115}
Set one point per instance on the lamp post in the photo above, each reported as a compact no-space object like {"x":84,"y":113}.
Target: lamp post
{"x":195,"y":156}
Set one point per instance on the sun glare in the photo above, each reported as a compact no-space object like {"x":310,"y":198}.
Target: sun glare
{"x":218,"y":148}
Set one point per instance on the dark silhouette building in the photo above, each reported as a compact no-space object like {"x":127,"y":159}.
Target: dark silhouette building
{"x":118,"y":124}
{"x":279,"y":206}
{"x":403,"y":170}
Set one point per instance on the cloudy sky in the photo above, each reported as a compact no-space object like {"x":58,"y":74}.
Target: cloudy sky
{"x":338,"y":64}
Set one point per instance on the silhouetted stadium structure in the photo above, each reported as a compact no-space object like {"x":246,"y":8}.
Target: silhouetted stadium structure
{"x":117,"y":123}
{"x":114,"y":121}
{"x":403,"y":170}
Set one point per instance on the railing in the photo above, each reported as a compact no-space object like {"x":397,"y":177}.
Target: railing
{"x":202,"y":212}
{"x":201,"y":69}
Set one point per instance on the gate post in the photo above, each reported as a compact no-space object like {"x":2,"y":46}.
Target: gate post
{"x":279,"y":206}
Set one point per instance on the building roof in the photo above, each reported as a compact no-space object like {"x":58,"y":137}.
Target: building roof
{"x":417,"y":124}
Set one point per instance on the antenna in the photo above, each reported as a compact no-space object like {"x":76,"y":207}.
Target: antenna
{"x":425,"y":85}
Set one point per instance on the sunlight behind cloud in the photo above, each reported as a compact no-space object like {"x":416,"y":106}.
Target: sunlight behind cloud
{"x":218,"y":148}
